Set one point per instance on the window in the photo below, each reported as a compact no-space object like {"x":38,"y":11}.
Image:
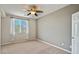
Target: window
{"x":23,"y":26}
{"x":19,"y":26}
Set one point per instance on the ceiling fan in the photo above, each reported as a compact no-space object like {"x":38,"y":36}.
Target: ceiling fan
{"x":33,"y":10}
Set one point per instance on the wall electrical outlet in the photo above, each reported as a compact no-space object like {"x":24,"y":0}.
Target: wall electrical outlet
{"x":62,"y":44}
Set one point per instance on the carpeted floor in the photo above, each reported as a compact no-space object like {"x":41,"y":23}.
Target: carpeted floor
{"x":31,"y":47}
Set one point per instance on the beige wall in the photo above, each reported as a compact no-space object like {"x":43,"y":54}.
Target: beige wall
{"x":55,"y":28}
{"x":6,"y":30}
{"x":32,"y":29}
{"x":0,"y":33}
{"x":0,"y":30}
{"x":8,"y":38}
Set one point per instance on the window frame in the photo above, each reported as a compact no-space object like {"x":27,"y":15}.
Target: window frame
{"x":13,"y":26}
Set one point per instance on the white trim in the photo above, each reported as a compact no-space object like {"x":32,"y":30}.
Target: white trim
{"x":5,"y":43}
{"x":16,"y":42}
{"x":54,"y":46}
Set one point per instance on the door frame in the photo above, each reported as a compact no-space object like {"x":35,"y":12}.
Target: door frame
{"x":74,"y":21}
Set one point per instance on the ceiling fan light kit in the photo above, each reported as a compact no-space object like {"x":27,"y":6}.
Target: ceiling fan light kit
{"x":33,"y":10}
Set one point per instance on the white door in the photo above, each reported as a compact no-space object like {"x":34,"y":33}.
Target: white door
{"x":75,"y":33}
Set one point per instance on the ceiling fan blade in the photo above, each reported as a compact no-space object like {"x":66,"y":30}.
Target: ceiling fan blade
{"x":28,"y":10}
{"x":28,"y":14}
{"x":38,"y":11}
{"x":36,"y":14}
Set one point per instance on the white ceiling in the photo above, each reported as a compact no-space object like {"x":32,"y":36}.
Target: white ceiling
{"x":18,"y":9}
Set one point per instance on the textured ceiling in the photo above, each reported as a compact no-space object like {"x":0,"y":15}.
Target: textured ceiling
{"x":18,"y":9}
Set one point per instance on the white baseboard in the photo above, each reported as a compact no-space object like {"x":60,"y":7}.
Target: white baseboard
{"x":6,"y":43}
{"x":13,"y":42}
{"x":54,"y":46}
{"x":16,"y":42}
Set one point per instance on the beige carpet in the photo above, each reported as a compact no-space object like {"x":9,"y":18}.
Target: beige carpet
{"x":31,"y":47}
